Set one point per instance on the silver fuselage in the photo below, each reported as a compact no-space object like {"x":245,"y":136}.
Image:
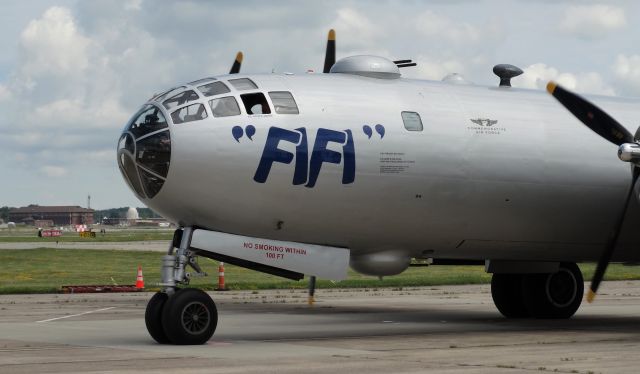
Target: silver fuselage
{"x":535,"y":185}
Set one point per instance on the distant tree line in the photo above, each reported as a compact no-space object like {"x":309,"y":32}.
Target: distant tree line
{"x":4,"y":213}
{"x":98,"y":215}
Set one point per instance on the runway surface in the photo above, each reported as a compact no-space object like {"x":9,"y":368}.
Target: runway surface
{"x":452,"y":329}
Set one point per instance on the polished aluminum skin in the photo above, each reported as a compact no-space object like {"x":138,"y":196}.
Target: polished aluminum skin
{"x":496,"y":173}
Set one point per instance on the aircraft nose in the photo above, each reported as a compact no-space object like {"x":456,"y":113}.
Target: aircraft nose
{"x":144,"y":152}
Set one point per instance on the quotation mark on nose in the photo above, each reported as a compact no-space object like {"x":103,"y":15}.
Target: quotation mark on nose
{"x":238,"y":132}
{"x":250,"y":131}
{"x":369,"y":132}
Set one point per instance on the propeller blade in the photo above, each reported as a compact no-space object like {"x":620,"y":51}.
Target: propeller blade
{"x":592,"y":116}
{"x":330,"y":54}
{"x":235,"y":68}
{"x":607,"y":127}
{"x":611,"y":241}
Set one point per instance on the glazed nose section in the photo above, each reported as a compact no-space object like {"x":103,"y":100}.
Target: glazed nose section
{"x":144,"y":152}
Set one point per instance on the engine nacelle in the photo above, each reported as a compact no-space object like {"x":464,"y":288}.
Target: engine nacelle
{"x":380,"y":263}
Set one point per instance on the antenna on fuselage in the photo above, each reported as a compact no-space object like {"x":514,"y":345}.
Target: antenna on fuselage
{"x":404,"y":63}
{"x":506,"y":72}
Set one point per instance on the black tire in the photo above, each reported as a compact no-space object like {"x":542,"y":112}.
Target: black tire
{"x":506,"y":291}
{"x":556,"y":295}
{"x":153,"y":317}
{"x":189,"y":317}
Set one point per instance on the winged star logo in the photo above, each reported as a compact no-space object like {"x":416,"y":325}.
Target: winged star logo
{"x":486,"y":122}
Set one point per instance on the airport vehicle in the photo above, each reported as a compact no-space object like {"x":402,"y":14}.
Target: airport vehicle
{"x":312,"y":173}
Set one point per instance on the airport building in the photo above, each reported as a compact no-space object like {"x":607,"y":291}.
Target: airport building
{"x":52,"y":215}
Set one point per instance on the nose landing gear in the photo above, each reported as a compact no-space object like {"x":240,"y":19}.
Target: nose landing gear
{"x":189,"y":317}
{"x":184,"y":316}
{"x":153,"y":317}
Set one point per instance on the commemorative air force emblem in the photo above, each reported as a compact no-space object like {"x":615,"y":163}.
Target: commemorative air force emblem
{"x":484,"y":122}
{"x":485,"y":126}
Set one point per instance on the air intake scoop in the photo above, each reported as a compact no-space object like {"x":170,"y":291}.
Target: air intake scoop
{"x":367,"y":66}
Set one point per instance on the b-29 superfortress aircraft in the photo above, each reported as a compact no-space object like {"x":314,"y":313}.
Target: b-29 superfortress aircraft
{"x":309,"y":174}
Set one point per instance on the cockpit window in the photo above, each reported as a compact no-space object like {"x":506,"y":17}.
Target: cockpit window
{"x":151,"y":183}
{"x":154,"y":152}
{"x":128,"y":168}
{"x":127,"y":142}
{"x":214,"y":88}
{"x":200,"y":81}
{"x":243,"y":84}
{"x":161,"y":96}
{"x":224,"y":107}
{"x":179,"y":99}
{"x":144,"y":151}
{"x":148,"y":120}
{"x":255,"y":103}
{"x":189,"y":113}
{"x":283,"y":102}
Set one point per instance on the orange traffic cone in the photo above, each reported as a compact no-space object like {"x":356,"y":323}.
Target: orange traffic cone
{"x":221,"y":286}
{"x":139,"y":279}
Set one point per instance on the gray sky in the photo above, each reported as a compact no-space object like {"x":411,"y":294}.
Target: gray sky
{"x":72,"y":72}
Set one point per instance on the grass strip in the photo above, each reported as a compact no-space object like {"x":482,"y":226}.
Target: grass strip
{"x":45,"y":270}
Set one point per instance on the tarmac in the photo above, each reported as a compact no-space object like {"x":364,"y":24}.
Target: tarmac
{"x":448,"y":329}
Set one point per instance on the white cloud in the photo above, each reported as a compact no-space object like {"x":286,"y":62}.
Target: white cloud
{"x":349,"y":20}
{"x":133,"y":5}
{"x":75,"y":114}
{"x":592,"y":21}
{"x":627,"y":72}
{"x":21,"y":141}
{"x":5,"y":94}
{"x":53,"y":45}
{"x":53,"y":171}
{"x":537,"y":76}
{"x":356,"y":33}
{"x":435,"y":68}
{"x":432,"y":25}
{"x":71,"y":93}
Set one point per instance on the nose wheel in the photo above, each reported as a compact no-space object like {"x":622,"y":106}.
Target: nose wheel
{"x":153,"y":317}
{"x":188,"y":317}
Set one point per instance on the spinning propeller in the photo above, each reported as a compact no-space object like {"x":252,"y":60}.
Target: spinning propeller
{"x":628,"y":150}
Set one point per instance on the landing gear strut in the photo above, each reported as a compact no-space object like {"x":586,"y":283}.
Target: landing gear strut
{"x":181,"y":316}
{"x":552,"y":295}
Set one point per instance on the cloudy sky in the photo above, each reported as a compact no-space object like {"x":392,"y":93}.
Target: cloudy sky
{"x":72,"y":72}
